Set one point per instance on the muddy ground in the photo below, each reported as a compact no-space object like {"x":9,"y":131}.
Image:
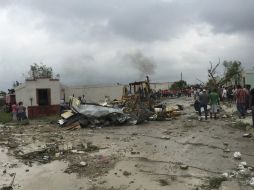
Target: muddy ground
{"x":183,"y":153}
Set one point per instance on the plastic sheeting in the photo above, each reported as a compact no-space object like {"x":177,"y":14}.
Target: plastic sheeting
{"x":91,"y":110}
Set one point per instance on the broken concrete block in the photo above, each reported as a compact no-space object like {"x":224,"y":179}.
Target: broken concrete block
{"x":244,"y":164}
{"x":83,"y":163}
{"x":237,"y":155}
{"x":226,"y":175}
{"x":247,"y":135}
{"x":165,"y":137}
{"x":252,"y":181}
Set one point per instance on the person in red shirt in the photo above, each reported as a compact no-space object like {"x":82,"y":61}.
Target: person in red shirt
{"x":241,"y":96}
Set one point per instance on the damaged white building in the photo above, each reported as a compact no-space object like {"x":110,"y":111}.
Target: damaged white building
{"x":42,"y":96}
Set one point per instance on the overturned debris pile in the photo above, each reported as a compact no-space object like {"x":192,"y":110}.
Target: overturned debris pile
{"x":95,"y":115}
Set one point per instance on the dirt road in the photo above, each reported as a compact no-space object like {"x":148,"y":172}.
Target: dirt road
{"x":180,"y":154}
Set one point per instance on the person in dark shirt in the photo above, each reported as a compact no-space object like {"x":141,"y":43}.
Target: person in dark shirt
{"x":252,"y":105}
{"x":204,"y":100}
{"x":21,"y":112}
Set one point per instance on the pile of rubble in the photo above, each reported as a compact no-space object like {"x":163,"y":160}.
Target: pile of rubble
{"x":96,"y":115}
{"x":244,"y":172}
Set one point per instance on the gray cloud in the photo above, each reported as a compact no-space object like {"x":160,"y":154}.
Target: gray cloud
{"x":229,"y":16}
{"x":96,"y":38}
{"x":154,"y":21}
{"x":143,"y":20}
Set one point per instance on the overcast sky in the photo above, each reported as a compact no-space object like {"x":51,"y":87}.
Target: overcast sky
{"x":109,"y":41}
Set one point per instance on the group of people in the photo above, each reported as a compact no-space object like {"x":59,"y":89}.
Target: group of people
{"x":243,"y":96}
{"x":18,"y":111}
{"x":202,"y":101}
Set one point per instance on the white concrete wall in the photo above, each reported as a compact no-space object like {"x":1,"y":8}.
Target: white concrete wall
{"x":161,"y":86}
{"x":21,"y":95}
{"x":95,"y":93}
{"x":27,"y":91}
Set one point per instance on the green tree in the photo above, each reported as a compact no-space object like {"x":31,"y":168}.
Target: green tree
{"x":233,"y":71}
{"x":2,"y":93}
{"x":40,"y":71}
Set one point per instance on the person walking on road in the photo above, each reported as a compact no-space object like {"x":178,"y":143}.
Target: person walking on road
{"x":204,"y":100}
{"x":241,"y":96}
{"x":224,"y":94}
{"x":214,"y":102}
{"x":247,"y":103}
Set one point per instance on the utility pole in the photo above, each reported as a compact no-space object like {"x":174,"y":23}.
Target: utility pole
{"x":181,"y":76}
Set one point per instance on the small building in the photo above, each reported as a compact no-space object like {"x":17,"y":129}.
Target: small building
{"x":40,"y":96}
{"x":248,"y":78}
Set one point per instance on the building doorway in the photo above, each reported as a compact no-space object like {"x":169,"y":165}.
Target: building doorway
{"x":43,"y":97}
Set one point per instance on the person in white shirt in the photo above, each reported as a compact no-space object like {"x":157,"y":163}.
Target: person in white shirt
{"x":224,"y":94}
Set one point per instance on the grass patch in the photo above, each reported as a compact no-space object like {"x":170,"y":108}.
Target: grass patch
{"x":163,"y":182}
{"x":215,"y":182}
{"x":5,"y":117}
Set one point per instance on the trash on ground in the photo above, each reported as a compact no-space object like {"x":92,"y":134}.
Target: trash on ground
{"x":184,"y":167}
{"x":83,"y":163}
{"x":237,"y":155}
{"x":247,"y":135}
{"x":252,"y":181}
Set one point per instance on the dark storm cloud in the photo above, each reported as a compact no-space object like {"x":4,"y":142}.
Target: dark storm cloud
{"x":154,"y":21}
{"x":143,"y":20}
{"x":95,"y":37}
{"x":147,"y":20}
{"x":228,"y":16}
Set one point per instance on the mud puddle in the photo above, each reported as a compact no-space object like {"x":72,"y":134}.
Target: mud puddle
{"x":39,"y":177}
